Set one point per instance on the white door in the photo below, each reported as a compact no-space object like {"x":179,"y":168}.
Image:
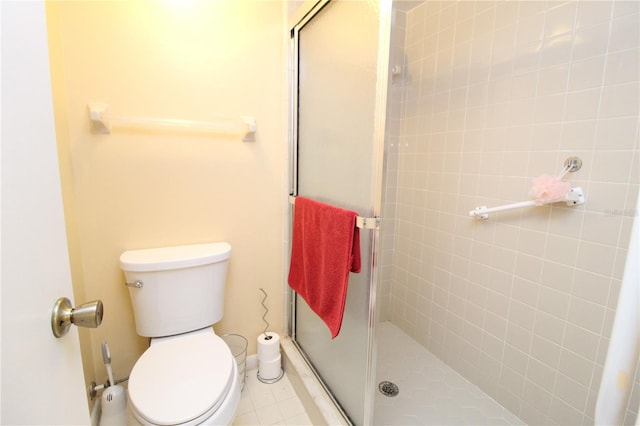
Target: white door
{"x":41,"y":376}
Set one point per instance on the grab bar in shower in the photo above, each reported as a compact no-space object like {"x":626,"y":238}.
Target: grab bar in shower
{"x":361,"y":222}
{"x":102,"y":121}
{"x":573,"y":198}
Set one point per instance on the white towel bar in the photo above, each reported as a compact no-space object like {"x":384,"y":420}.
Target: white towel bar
{"x":361,"y":222}
{"x":573,"y":198}
{"x":101,"y":122}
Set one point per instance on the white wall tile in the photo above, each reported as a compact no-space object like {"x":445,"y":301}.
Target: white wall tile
{"x":622,"y":67}
{"x":571,"y":392}
{"x":561,"y":250}
{"x":578,"y":135}
{"x":591,"y":41}
{"x":590,"y":286}
{"x":583,"y":104}
{"x":593,"y":12}
{"x":546,"y":351}
{"x":541,"y":374}
{"x":625,"y":8}
{"x":595,"y":258}
{"x":620,"y":101}
{"x":587,"y":73}
{"x":601,"y":229}
{"x":557,"y":275}
{"x":554,"y":302}
{"x":580,"y":341}
{"x":538,"y":402}
{"x":587,"y":314}
{"x":559,"y":19}
{"x":565,"y":413}
{"x":624,"y":33}
{"x":553,"y":80}
{"x":549,"y":327}
{"x":556,"y":50}
{"x":617,"y":133}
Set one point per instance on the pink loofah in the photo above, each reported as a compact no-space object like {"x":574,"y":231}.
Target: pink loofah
{"x":549,"y":189}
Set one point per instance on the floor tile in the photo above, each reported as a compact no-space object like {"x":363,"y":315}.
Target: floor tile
{"x":269,"y":404}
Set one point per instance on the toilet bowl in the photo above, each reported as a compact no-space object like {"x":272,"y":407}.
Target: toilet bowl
{"x":189,"y":379}
{"x":188,"y":375}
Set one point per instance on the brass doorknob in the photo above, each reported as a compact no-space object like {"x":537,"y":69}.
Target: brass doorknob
{"x":85,"y":315}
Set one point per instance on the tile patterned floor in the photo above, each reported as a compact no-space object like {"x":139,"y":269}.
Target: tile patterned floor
{"x":269,"y":404}
{"x":430,"y":391}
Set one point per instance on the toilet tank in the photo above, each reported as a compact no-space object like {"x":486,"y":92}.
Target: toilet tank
{"x":181,"y":288}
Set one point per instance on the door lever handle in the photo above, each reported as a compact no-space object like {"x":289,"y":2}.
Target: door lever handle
{"x":86,"y":315}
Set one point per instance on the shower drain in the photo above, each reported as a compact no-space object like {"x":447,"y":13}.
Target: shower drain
{"x":388,"y":388}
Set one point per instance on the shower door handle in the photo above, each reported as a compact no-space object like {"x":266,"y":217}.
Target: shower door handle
{"x":86,"y":315}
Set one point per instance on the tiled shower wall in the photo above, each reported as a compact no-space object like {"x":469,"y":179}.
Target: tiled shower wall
{"x":490,"y":96}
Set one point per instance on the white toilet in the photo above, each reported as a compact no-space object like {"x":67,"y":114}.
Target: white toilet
{"x":188,"y":375}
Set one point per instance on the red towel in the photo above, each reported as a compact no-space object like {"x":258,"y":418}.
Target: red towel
{"x":325,"y":248}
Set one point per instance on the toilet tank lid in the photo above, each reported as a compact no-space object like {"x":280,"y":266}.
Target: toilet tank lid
{"x":176,"y":257}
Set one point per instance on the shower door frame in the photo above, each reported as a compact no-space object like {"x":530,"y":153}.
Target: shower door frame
{"x":382,"y":81}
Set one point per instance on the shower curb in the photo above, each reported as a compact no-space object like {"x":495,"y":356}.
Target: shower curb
{"x":314,"y":398}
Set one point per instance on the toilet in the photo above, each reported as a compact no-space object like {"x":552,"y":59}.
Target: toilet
{"x":188,"y":375}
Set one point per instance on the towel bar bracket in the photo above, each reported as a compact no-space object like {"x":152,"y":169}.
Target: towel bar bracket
{"x":368,"y":222}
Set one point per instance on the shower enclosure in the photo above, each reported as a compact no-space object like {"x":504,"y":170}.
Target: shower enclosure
{"x":339,"y":128}
{"x":417,"y":112}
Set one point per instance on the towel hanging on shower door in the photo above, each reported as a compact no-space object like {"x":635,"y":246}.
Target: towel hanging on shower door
{"x":325,"y":248}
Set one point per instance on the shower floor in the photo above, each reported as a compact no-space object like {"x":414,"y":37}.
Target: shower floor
{"x":431,"y":393}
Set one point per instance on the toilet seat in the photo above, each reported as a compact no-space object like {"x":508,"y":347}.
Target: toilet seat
{"x":181,"y":379}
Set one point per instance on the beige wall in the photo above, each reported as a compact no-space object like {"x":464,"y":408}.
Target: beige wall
{"x":149,"y":188}
{"x":493,"y":95}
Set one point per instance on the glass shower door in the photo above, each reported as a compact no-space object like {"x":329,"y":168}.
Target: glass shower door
{"x":341,"y":92}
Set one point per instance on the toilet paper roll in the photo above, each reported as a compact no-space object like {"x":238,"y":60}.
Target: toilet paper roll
{"x":268,"y":346}
{"x":269,"y":370}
